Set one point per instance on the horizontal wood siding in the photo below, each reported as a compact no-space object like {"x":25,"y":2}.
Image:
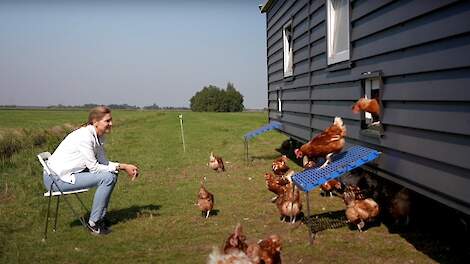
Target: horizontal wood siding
{"x":421,"y":48}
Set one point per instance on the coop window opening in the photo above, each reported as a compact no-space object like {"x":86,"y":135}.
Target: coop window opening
{"x":287,"y":37}
{"x":338,"y":27}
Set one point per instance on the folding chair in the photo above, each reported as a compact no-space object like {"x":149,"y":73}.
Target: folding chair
{"x":43,"y":157}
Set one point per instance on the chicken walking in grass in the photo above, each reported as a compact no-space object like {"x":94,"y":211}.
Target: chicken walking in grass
{"x":289,"y":203}
{"x":216,"y":163}
{"x":325,"y":144}
{"x":205,"y":200}
{"x":358,"y":212}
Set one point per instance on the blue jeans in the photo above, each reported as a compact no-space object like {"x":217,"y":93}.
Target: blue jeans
{"x":104,"y":181}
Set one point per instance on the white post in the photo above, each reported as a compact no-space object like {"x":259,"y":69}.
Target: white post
{"x":182,"y":131}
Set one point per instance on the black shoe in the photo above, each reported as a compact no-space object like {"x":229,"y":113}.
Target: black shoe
{"x":98,"y":229}
{"x":104,"y":224}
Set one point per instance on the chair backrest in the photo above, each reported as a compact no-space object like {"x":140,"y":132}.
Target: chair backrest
{"x":43,"y":157}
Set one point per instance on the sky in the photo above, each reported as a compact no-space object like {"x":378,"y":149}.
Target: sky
{"x":135,"y":52}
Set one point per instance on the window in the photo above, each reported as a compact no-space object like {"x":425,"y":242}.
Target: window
{"x":279,"y":102}
{"x":288,"y":53}
{"x":338,"y":30}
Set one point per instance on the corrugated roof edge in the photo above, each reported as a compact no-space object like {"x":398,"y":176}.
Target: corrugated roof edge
{"x":264,"y":8}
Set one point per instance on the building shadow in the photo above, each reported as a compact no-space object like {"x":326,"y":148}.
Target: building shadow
{"x":436,"y":230}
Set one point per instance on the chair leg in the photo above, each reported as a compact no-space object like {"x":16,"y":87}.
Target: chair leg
{"x":81,"y":202}
{"x":71,"y":207}
{"x":56,"y":214}
{"x":47,"y":215}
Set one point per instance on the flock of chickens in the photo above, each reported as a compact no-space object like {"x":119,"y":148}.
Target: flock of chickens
{"x":359,"y":210}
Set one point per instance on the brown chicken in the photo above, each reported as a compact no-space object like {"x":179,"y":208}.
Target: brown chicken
{"x":280,"y":166}
{"x":205,"y":200}
{"x":356,"y":192}
{"x":368,"y":105}
{"x":236,"y":240}
{"x":216,"y":163}
{"x":358,"y":212}
{"x":289,"y":203}
{"x":270,"y":250}
{"x":330,"y":186}
{"x":325,"y":144}
{"x":400,"y":207}
{"x":237,"y":251}
{"x":275,"y":183}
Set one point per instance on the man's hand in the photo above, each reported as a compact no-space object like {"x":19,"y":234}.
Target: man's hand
{"x":131,"y":170}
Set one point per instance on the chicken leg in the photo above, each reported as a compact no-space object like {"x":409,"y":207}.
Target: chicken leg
{"x":360,"y":225}
{"x":208,"y":212}
{"x":294,"y":218}
{"x":328,"y":160}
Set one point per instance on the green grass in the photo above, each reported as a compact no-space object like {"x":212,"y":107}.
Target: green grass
{"x":155,"y":220}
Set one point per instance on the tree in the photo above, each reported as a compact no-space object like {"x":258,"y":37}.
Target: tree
{"x":213,"y":99}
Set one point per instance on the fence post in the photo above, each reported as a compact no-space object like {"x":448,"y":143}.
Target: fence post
{"x":182,"y":132}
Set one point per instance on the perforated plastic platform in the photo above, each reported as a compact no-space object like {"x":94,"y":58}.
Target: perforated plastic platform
{"x":272,"y":125}
{"x":341,"y":163}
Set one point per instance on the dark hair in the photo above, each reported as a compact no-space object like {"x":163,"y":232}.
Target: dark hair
{"x":97,"y":114}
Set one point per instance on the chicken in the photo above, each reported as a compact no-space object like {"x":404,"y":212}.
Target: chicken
{"x":270,"y":250}
{"x":275,"y":183}
{"x":330,"y":186}
{"x":216,"y":163}
{"x":289,"y":203}
{"x":308,"y":164}
{"x":359,"y":212}
{"x":400,"y":206}
{"x":368,"y":105}
{"x":280,"y":166}
{"x":356,"y":192}
{"x":237,"y":251}
{"x":205,"y":200}
{"x":325,"y":144}
{"x":236,"y":240}
{"x":234,"y":257}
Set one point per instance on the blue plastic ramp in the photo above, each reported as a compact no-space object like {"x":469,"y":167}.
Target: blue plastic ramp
{"x":272,"y":125}
{"x":341,"y":163}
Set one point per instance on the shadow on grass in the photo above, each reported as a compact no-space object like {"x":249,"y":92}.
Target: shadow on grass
{"x":214,"y":212}
{"x":123,"y":215}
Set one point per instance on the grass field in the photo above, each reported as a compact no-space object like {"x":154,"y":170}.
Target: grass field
{"x":154,"y":218}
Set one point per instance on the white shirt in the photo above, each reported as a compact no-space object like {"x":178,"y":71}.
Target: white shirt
{"x":81,"y":149}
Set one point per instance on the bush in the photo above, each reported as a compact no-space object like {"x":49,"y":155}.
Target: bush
{"x":10,"y":143}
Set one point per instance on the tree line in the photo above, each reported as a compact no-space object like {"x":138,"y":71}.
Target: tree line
{"x":214,"y":99}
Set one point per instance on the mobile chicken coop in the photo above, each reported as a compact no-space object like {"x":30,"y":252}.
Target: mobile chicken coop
{"x":412,"y":56}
